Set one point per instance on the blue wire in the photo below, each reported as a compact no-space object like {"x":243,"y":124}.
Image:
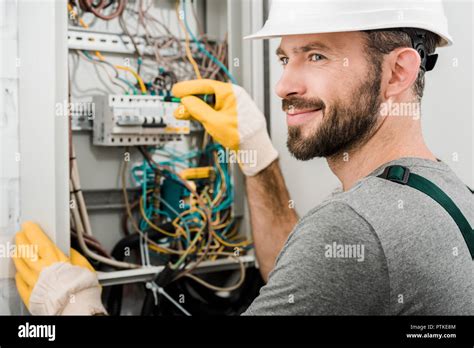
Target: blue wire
{"x":144,"y":185}
{"x":203,"y":49}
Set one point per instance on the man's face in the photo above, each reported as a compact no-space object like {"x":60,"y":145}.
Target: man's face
{"x":330,"y":91}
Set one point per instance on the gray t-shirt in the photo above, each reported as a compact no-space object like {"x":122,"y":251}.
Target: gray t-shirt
{"x":380,"y":248}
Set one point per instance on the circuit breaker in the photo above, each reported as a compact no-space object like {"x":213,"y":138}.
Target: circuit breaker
{"x":135,"y":120}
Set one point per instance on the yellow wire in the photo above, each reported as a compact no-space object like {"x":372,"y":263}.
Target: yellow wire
{"x":222,"y":187}
{"x":209,"y":200}
{"x":233,"y":245}
{"x":232,"y":234}
{"x":152,"y":225}
{"x":134,"y":73}
{"x":178,"y":227}
{"x":192,"y":248}
{"x":243,"y":243}
{"x":214,"y":257}
{"x":216,"y":223}
{"x":218,"y":226}
{"x":180,"y":217}
{"x":74,"y":14}
{"x":164,"y":251}
{"x":99,"y":55}
{"x":188,"y":49}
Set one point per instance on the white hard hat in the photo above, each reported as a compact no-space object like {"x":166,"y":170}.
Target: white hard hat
{"x":293,"y":17}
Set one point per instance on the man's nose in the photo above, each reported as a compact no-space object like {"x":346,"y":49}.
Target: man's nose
{"x":290,"y":83}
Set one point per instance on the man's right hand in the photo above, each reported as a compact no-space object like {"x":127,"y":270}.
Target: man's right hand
{"x":235,"y":121}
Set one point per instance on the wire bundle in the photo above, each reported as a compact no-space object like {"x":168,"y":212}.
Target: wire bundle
{"x":204,"y":226}
{"x":206,"y":59}
{"x":98,"y":8}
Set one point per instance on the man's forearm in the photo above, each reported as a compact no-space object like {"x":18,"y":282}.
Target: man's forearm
{"x":271,"y":215}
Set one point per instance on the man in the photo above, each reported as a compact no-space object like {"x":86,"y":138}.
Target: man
{"x":376,"y":246}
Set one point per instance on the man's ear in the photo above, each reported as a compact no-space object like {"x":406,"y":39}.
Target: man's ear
{"x":404,"y":64}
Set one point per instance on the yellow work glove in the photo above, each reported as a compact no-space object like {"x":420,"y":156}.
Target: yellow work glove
{"x":50,"y":283}
{"x":235,"y":121}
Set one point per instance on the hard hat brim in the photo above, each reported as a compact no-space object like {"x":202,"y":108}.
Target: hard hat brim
{"x":317,"y":17}
{"x":270,"y":33}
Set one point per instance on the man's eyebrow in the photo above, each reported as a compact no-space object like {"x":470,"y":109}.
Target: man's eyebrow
{"x":279,"y":51}
{"x":316,"y":45}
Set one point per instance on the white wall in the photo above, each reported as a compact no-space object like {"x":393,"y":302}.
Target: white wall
{"x":9,"y":146}
{"x":447,"y":113}
{"x":447,"y":107}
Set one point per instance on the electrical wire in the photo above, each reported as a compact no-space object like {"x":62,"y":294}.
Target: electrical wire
{"x":99,"y":55}
{"x":137,"y":51}
{"x":93,"y":243}
{"x":152,"y":225}
{"x":210,"y":71}
{"x":134,"y":73}
{"x":84,"y":55}
{"x":81,"y":219}
{"x":172,"y":300}
{"x":219,"y":288}
{"x":74,"y":15}
{"x":218,"y":225}
{"x":76,"y":186}
{"x":97,"y":7}
{"x":154,"y":245}
{"x":85,"y":249}
{"x":203,"y":49}
{"x":188,"y":49}
{"x":199,"y":200}
{"x":220,"y":249}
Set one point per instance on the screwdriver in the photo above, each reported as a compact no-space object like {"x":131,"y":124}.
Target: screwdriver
{"x":209,"y":99}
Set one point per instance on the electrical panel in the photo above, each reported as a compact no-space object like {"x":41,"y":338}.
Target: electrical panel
{"x":135,"y":120}
{"x":163,"y":191}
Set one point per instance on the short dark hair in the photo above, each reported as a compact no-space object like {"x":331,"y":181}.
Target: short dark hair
{"x":383,"y":41}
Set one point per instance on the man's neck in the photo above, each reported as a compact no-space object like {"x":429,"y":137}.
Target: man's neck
{"x":381,"y":148}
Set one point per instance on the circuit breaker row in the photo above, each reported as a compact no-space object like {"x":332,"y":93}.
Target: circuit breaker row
{"x":135,"y":120}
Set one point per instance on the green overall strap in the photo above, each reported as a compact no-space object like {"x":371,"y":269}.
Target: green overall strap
{"x":402,"y":175}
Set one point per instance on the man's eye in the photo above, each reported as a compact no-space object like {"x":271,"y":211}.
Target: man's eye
{"x":283,"y":60}
{"x":316,"y":57}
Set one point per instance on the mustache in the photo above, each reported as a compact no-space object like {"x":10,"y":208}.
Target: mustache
{"x":299,"y":103}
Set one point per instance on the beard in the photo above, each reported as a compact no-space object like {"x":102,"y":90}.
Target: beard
{"x":344,"y":125}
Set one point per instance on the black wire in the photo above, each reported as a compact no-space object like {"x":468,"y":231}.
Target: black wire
{"x":145,"y":156}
